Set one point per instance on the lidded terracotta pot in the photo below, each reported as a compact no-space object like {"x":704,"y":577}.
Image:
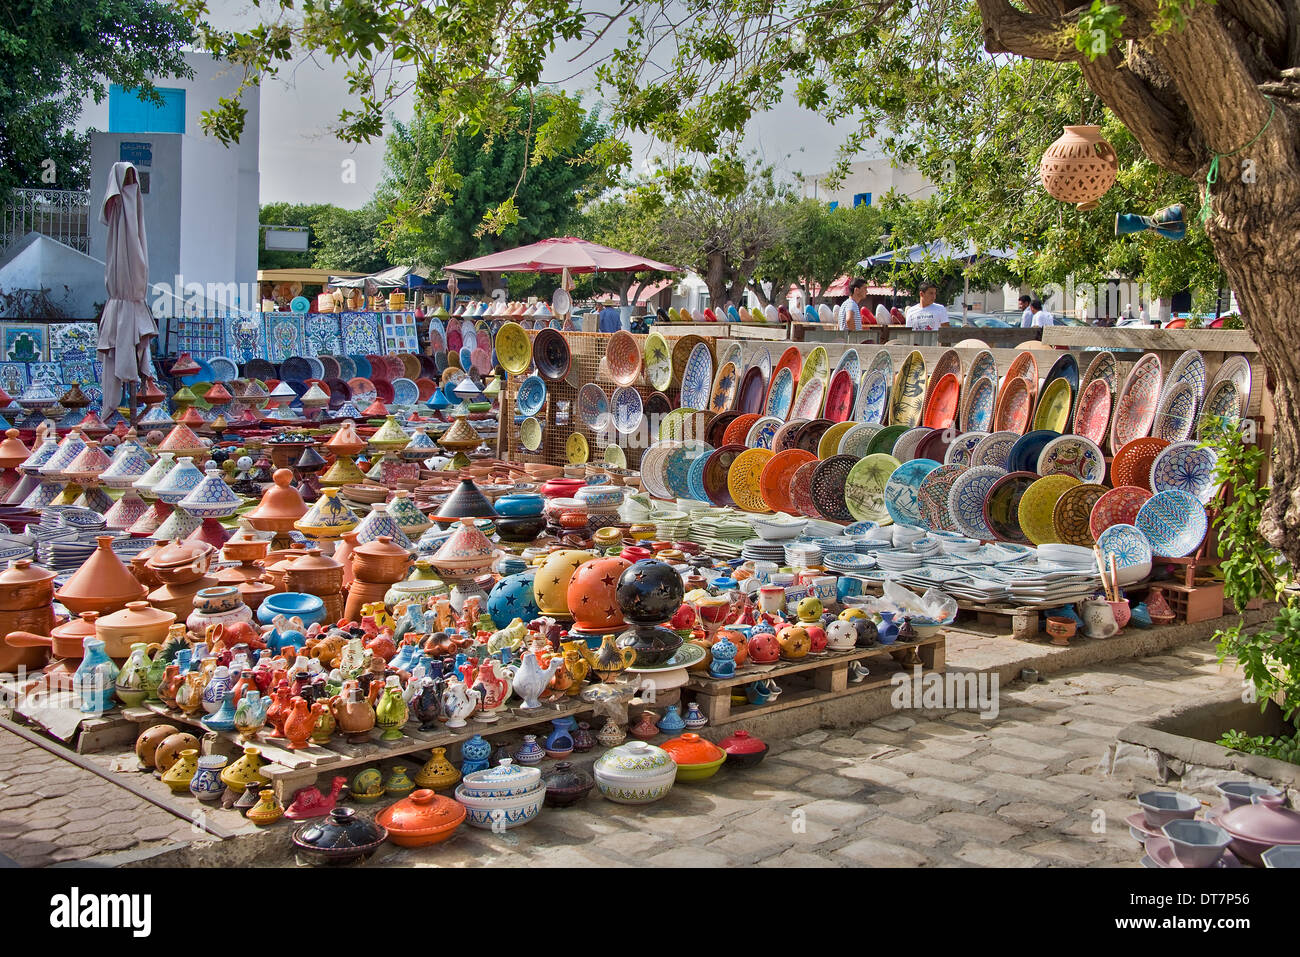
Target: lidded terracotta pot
{"x":315,"y":574}
{"x":423,"y":818}
{"x":381,"y":562}
{"x":280,"y":507}
{"x":101,"y":584}
{"x":180,"y":563}
{"x":137,"y":622}
{"x":12,"y":450}
{"x":24,"y":585}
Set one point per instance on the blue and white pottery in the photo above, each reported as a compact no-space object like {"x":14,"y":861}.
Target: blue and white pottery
{"x":697,"y":378}
{"x":405,"y":392}
{"x":780,"y":396}
{"x":530,"y":752}
{"x":531,"y":396}
{"x":1176,"y":413}
{"x":966,"y":500}
{"x":873,"y":398}
{"x":212,"y":497}
{"x":694,"y":719}
{"x":901,"y":488}
{"x":1129,"y":545}
{"x":593,"y":407}
{"x":980,"y":406}
{"x":672,"y":722}
{"x":1174,"y":522}
{"x":291,"y":604}
{"x":378,"y":523}
{"x":1186,"y":466}
{"x":628,"y":409}
{"x":179,"y":481}
{"x":206,"y":784}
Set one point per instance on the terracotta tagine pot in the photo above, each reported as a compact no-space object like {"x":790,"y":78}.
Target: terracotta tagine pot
{"x":137,"y":622}
{"x":102,"y":583}
{"x":179,"y":563}
{"x":280,"y":507}
{"x":381,"y":562}
{"x":422,"y":819}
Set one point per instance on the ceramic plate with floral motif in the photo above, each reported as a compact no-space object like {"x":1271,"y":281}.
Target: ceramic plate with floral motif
{"x":1071,"y":514}
{"x":977,"y":406}
{"x":1119,"y":506}
{"x":808,"y":403}
{"x":697,"y":378}
{"x":1176,"y":413}
{"x":1074,"y":455}
{"x":966,"y":500}
{"x":873,"y":398}
{"x":1135,"y":409}
{"x":762,"y":432}
{"x":780,"y":395}
{"x":725,"y":388}
{"x":1174,"y":522}
{"x":1189,"y":368}
{"x":932,"y":497}
{"x":1014,"y":406}
{"x":962,"y":448}
{"x":1092,"y":416}
{"x":857,"y":440}
{"x":1186,"y":466}
{"x":839,"y":397}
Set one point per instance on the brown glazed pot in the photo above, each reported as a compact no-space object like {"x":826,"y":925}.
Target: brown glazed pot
{"x":380,"y":561}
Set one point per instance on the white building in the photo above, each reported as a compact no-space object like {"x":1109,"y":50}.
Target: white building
{"x":867,"y":182}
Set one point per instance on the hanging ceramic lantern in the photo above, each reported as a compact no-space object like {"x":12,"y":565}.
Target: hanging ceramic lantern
{"x":1079,"y":167}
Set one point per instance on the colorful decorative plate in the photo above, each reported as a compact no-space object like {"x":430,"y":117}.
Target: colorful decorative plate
{"x":1135,"y":409}
{"x":763,"y":360}
{"x":902,"y":488}
{"x":1188,"y":467}
{"x":530,"y":397}
{"x":551,"y":354}
{"x":658,"y":362}
{"x":857,"y":440}
{"x":716,"y":470}
{"x":941,"y":409}
{"x":628,"y":411}
{"x":1073,"y":455}
{"x":725,"y":387}
{"x":1119,"y":506}
{"x":514,"y":348}
{"x":808,"y":403}
{"x":678,"y":463}
{"x":935,"y":445}
{"x":734,"y":353}
{"x":884,"y":441}
{"x":784,"y":437}
{"x":908,"y":392}
{"x":1092,"y":416}
{"x":653,"y":476}
{"x":962,"y":448}
{"x":948,"y":363}
{"x":682,"y":350}
{"x":982,"y":366}
{"x":615,"y":456}
{"x":762,"y":432}
{"x":994,"y":449}
{"x":829,"y":486}
{"x":873,"y":398}
{"x":850,"y":362}
{"x":839,"y":396}
{"x":1222,"y":407}
{"x":530,"y":434}
{"x":1176,"y":413}
{"x":829,"y":443}
{"x":737,"y":430}
{"x":977,"y":406}
{"x":405,"y":392}
{"x":864,"y":488}
{"x":966,"y":500}
{"x":576,"y":449}
{"x":882,"y":361}
{"x":743,"y":480}
{"x":1067,"y":368}
{"x":1014,"y":406}
{"x":780,"y":395}
{"x":1189,"y":368}
{"x":1023,"y":456}
{"x":791,"y":359}
{"x":1024,"y":366}
{"x":1001,"y":506}
{"x":1072,"y":511}
{"x":715,"y":432}
{"x":1053,"y":410}
{"x":1038,"y":506}
{"x":593,"y":407}
{"x":775,"y":481}
{"x":697,"y":378}
{"x":1236,"y":368}
{"x":1102,"y":367}
{"x":816,"y":365}
{"x":1129,"y":545}
{"x":932,"y":497}
{"x":809,"y":437}
{"x":801,"y":490}
{"x":1174,"y":522}
{"x":695,"y":477}
{"x":905,"y":448}
{"x":1132,"y":463}
{"x":753,"y":391}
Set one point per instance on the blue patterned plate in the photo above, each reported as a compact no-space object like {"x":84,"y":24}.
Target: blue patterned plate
{"x":1073,"y":455}
{"x":1129,"y":545}
{"x":405,"y":392}
{"x":695,"y":478}
{"x":994,"y":449}
{"x":1174,"y":523}
{"x":762,"y":432}
{"x":966,"y":500}
{"x":1176,"y":413}
{"x":850,"y":361}
{"x":593,"y":407}
{"x":1186,"y":466}
{"x":531,"y":396}
{"x":697,"y":378}
{"x":962,"y":449}
{"x":873,"y":398}
{"x":677,"y":467}
{"x":780,"y":395}
{"x":1189,"y":368}
{"x":901,"y":489}
{"x":627,"y":408}
{"x":225,"y":370}
{"x":977,"y":410}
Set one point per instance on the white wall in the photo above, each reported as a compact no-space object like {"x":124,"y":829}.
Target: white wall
{"x":875,"y":176}
{"x":75,"y":281}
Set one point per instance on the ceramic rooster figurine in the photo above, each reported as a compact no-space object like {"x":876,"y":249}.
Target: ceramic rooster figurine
{"x":309,"y":802}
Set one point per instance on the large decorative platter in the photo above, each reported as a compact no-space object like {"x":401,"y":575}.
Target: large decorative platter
{"x":1023,"y":456}
{"x":1135,"y":409}
{"x":762,"y":432}
{"x":902,"y":488}
{"x":1174,"y":522}
{"x":1014,"y":407}
{"x":932,"y":497}
{"x":1067,"y":368}
{"x":654,"y":474}
{"x":658,"y":362}
{"x":908,"y":391}
{"x":829,"y":485}
{"x":744,"y":477}
{"x":885,"y":440}
{"x":857,"y":439}
{"x":682,"y":350}
{"x":850,"y":362}
{"x":905,"y":448}
{"x":1132,"y":463}
{"x":1176,"y":413}
{"x":784,"y":437}
{"x":829,"y":443}
{"x":781,"y":394}
{"x":882,"y":361}
{"x":627,"y":408}
{"x":816,"y":366}
{"x":528,"y":400}
{"x":1223,"y":407}
{"x":1001,"y":506}
{"x":1073,"y":455}
{"x":718,"y":427}
{"x":1187,"y":467}
{"x":753,"y":391}
{"x":1119,"y":506}
{"x":1024,"y":366}
{"x":1092,"y":415}
{"x":873,"y":398}
{"x":593,"y":407}
{"x":716,"y":471}
{"x":1101,"y":367}
{"x":576,"y":449}
{"x":776,"y":480}
{"x":941,"y":408}
{"x":935,"y":445}
{"x":733,"y":353}
{"x":978,"y":406}
{"x":994,"y":449}
{"x":1131,"y":549}
{"x":864,"y":488}
{"x":1072,"y":512}
{"x":514,"y":349}
{"x":551,"y":355}
{"x":809,"y":437}
{"x":982,"y":366}
{"x":725,"y":387}
{"x":1236,"y":368}
{"x":736,"y":430}
{"x":839,"y":396}
{"x":678,"y":463}
{"x":1054,"y":406}
{"x":801,"y":490}
{"x":948,"y":363}
{"x":808,"y":402}
{"x":791,"y":359}
{"x":1189,"y":368}
{"x":697,"y":378}
{"x":1038,"y":505}
{"x":966,"y":500}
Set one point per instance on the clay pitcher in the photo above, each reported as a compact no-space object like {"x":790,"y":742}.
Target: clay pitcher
{"x":354,"y":713}
{"x":298,"y":725}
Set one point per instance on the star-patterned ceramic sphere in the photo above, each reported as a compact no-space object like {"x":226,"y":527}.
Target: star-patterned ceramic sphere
{"x":511,"y":598}
{"x":650,"y":592}
{"x":592,"y":599}
{"x":551,"y":585}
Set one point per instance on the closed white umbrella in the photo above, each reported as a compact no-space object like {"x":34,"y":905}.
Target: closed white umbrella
{"x":127,"y":326}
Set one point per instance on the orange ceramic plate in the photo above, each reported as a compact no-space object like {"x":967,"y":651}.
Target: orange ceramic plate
{"x":791,"y":359}
{"x":776,"y":481}
{"x":738,"y":428}
{"x":1014,"y":406}
{"x":1024,"y":366}
{"x":1132,"y":463}
{"x":941,"y":411}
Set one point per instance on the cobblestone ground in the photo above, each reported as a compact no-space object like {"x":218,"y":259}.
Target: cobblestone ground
{"x":52,"y":811}
{"x":916,"y":788}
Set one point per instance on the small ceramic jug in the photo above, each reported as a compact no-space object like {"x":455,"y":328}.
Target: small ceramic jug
{"x":1098,"y":618}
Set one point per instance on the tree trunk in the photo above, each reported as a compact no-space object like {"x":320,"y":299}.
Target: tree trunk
{"x":716,"y":279}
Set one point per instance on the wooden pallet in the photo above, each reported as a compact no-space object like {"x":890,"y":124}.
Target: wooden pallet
{"x":819,"y":678}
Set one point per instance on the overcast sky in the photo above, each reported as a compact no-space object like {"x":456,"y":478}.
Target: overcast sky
{"x":301,"y":162}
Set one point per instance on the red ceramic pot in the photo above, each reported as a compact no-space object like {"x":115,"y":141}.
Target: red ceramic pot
{"x":763,"y":648}
{"x":561,"y":487}
{"x":635,"y":553}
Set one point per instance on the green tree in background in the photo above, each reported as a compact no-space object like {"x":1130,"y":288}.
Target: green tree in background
{"x":631,"y":220}
{"x":56,"y":53}
{"x":819,"y":244}
{"x":342,"y":239}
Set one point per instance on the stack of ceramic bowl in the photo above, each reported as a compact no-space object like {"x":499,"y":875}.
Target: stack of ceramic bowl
{"x":521,"y":518}
{"x":803,"y":554}
{"x":505,"y":796}
{"x":672,"y":526}
{"x":761,"y":551}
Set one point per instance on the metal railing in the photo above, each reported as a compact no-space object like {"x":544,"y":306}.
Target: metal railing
{"x":62,"y":214}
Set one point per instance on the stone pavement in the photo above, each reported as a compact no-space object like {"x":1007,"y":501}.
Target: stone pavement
{"x":914,"y":788}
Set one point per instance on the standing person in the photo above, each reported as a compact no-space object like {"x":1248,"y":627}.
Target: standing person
{"x":849,"y":313}
{"x":1027,"y":314}
{"x":1041,"y":316}
{"x":609,"y":319}
{"x":927,"y":314}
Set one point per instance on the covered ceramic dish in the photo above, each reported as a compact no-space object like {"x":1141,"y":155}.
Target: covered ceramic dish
{"x":697,"y":758}
{"x":341,"y":838}
{"x":422,"y":819}
{"x":743,"y":750}
{"x":1258,"y":826}
{"x":506,"y":796}
{"x":566,"y":784}
{"x":635,"y":773}
{"x":138,"y":621}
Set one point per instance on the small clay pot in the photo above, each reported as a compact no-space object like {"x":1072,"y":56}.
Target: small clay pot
{"x":1061,"y":629}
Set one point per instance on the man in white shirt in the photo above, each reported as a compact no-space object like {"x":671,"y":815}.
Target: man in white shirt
{"x":1041,"y":317}
{"x":848,"y":314}
{"x":1027,"y":316}
{"x":927,"y":314}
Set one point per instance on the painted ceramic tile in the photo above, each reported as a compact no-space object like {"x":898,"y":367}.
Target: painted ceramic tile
{"x":244,"y":339}
{"x":13,"y":377}
{"x":400,"y":334}
{"x":321,"y":333}
{"x":24,"y":343}
{"x":73,"y":340}
{"x":51,"y":373}
{"x":79,"y":371}
{"x":360,"y":333}
{"x":201,"y":336}
{"x":283,"y":335}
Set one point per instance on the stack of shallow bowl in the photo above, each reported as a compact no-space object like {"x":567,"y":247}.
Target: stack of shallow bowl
{"x":510,"y":794}
{"x":635,"y":773}
{"x":522,"y":519}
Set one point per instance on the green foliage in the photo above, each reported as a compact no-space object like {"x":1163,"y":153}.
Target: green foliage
{"x":341,"y":239}
{"x":56,"y":53}
{"x":1099,"y":29}
{"x":818,"y":245}
{"x":1285,"y":748}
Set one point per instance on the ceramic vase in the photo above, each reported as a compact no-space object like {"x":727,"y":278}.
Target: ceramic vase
{"x":530,"y":752}
{"x":205,"y":783}
{"x":695,"y":718}
{"x":223,"y":719}
{"x":215,"y":691}
{"x":130,"y":685}
{"x":95,"y":679}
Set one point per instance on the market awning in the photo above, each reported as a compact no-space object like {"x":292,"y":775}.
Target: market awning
{"x":938,"y":251}
{"x":556,"y":255}
{"x":394,"y":277}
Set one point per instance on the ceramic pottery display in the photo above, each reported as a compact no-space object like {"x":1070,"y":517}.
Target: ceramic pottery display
{"x":422,"y":819}
{"x":508,"y":795}
{"x":344,"y":837}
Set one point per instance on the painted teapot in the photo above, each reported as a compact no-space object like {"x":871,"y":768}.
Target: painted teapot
{"x":1098,"y":618}
{"x":354,"y":712}
{"x":459,"y":702}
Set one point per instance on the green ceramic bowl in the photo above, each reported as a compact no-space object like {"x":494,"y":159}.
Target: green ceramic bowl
{"x":699,"y":772}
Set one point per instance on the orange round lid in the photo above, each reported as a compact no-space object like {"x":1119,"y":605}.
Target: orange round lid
{"x":23,"y":571}
{"x":178,"y":554}
{"x":313,"y":560}
{"x":690,"y":748}
{"x":424,"y":812}
{"x":381,"y":547}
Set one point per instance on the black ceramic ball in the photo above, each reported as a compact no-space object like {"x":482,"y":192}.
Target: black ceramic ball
{"x":649,"y":592}
{"x":867,"y":632}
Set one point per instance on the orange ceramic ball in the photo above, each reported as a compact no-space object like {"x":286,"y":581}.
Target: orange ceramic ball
{"x":591,"y":597}
{"x":170,"y":749}
{"x":147,"y":743}
{"x":551,"y":583}
{"x":794,"y":642}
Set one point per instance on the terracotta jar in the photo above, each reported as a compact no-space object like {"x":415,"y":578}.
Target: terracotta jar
{"x":179,"y":599}
{"x":138,"y":621}
{"x":380,"y":561}
{"x":315,"y":574}
{"x":26,"y":593}
{"x":1079,"y":167}
{"x":101,"y":584}
{"x":254,"y":592}
{"x":343,"y":555}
